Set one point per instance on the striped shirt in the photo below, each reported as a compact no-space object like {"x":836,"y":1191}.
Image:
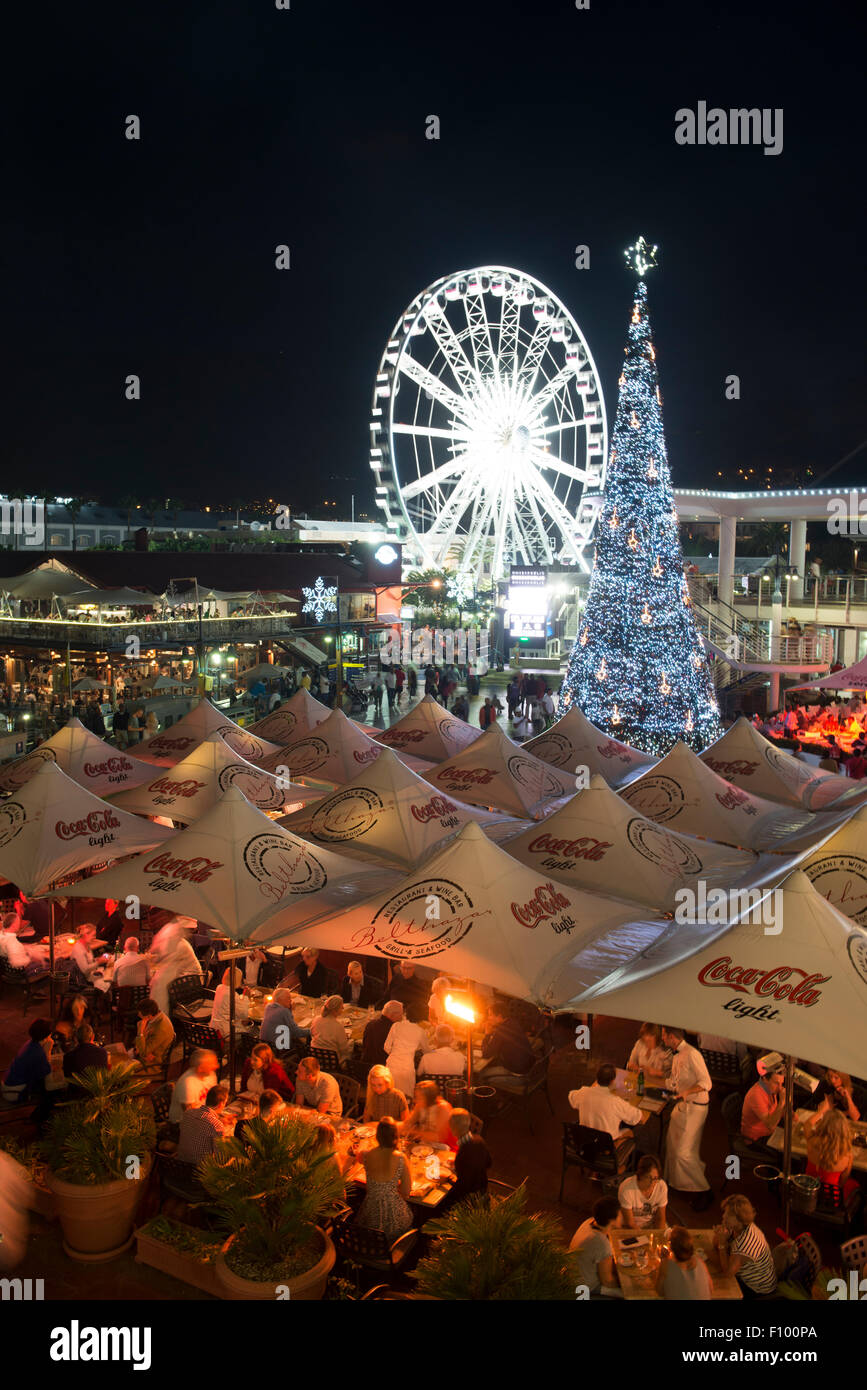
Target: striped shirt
{"x":200,"y":1130}
{"x":757,"y":1264}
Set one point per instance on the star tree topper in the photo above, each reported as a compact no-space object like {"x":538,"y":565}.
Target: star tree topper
{"x":641,"y":257}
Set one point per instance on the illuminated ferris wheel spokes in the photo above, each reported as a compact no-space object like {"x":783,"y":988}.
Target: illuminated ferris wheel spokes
{"x":488,"y":432}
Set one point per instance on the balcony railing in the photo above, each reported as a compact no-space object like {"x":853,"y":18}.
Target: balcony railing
{"x":112,"y":636}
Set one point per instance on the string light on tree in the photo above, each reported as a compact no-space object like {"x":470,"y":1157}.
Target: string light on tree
{"x":649,"y":656}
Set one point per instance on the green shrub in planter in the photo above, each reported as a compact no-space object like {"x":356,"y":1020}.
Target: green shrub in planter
{"x":91,"y":1140}
{"x":204,"y":1246}
{"x":270,"y":1192}
{"x":493,"y":1249}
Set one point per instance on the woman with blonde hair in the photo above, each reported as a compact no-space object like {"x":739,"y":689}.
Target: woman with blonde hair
{"x":437,"y":1002}
{"x":220,"y":1008}
{"x":836,"y":1087}
{"x":383,"y":1098}
{"x":742,"y":1248}
{"x":325,"y":1143}
{"x":828,"y":1134}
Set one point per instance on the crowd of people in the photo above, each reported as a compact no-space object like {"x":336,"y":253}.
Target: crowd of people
{"x":835,"y":728}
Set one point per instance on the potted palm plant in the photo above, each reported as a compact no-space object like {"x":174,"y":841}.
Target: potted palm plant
{"x":493,"y":1249}
{"x":270,"y":1193}
{"x":97,"y":1154}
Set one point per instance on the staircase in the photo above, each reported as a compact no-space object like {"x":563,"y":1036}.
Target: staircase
{"x":747,"y":648}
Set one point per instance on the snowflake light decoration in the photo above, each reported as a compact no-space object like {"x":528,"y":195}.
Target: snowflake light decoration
{"x":321,"y":599}
{"x":459,"y":589}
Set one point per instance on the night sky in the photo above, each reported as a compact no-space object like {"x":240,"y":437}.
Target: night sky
{"x":307,"y":127}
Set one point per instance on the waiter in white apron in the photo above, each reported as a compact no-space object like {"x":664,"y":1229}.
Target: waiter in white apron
{"x":684,"y":1169}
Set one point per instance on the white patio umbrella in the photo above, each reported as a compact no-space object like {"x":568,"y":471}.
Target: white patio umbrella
{"x":429,"y":731}
{"x":682,"y":793}
{"x":471,"y":910}
{"x":191,"y":787}
{"x":838,"y":869}
{"x":52,"y":827}
{"x":498,"y":774}
{"x":234,"y":869}
{"x":203,"y":719}
{"x":391,"y":815}
{"x":800,"y":990}
{"x":333,"y":752}
{"x":297,"y":716}
{"x":743,"y":756}
{"x":88,"y":760}
{"x":574,"y":742}
{"x":597,"y":842}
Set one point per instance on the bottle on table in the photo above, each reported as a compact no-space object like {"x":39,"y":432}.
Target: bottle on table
{"x":640,"y":1083}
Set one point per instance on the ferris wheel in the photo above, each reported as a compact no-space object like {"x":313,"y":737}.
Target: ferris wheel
{"x":488,"y":430}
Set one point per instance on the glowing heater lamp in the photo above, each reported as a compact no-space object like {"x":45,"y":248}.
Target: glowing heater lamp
{"x":463,"y":1011}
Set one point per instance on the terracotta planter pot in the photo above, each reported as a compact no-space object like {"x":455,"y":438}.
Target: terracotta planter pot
{"x":96,"y":1220}
{"x":305,"y":1287}
{"x":45,"y":1204}
{"x":179,"y":1264}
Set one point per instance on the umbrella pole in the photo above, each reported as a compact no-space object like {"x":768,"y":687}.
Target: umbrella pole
{"x":51,"y":930}
{"x":787,"y":1139}
{"x":231,"y":1030}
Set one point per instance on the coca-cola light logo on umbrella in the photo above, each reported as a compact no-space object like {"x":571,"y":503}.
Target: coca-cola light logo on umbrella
{"x":348,"y":815}
{"x":18,"y":774}
{"x":402,"y":738}
{"x":307,"y":755}
{"x":262,"y":791}
{"x":116,"y":769}
{"x":548,"y":904}
{"x":170,"y":743}
{"x":671,"y":854}
{"x":732,"y":767}
{"x":564,"y":853}
{"x":97,"y":826}
{"x":736,"y":800}
{"x":760,"y":993}
{"x":438,"y":808}
{"x":170,"y":873}
{"x":541,"y":784}
{"x":170,"y":790}
{"x":420,"y":921}
{"x":660,"y":798}
{"x":612,"y":749}
{"x":465,"y":778}
{"x":13,"y":818}
{"x":280,"y":868}
{"x":554,"y":749}
{"x":842,"y":879}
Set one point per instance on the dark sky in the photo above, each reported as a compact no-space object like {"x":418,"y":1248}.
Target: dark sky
{"x":307,"y":127}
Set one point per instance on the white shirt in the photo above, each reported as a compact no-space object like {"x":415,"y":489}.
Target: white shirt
{"x":445,"y":1061}
{"x":83,"y":957}
{"x":405,"y":1040}
{"x":131,"y":969}
{"x":644,"y":1058}
{"x":13,"y":949}
{"x":643,"y":1209}
{"x":688,"y":1069}
{"x":220,"y":1009}
{"x":190,"y":1089}
{"x":599,"y":1108}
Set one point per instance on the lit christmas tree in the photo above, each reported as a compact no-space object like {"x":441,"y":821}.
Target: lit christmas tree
{"x":638,"y":669}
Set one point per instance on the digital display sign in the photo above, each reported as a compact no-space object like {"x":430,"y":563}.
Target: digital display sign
{"x":528,"y":602}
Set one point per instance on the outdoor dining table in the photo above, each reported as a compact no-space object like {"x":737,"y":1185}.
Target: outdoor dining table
{"x":638,"y":1263}
{"x":431,"y":1166}
{"x":799,"y":1144}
